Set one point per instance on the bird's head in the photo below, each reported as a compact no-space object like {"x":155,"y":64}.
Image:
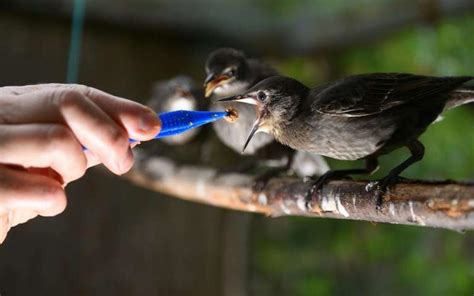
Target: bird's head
{"x":226,"y":70}
{"x":178,"y":93}
{"x":173,"y":94}
{"x":181,"y":86}
{"x":276,"y":100}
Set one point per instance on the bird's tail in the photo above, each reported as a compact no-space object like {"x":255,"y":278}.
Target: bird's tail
{"x":461,"y":96}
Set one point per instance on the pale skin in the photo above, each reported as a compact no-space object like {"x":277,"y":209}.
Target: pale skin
{"x":42,"y":131}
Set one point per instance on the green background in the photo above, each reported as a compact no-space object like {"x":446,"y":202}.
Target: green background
{"x":327,"y":257}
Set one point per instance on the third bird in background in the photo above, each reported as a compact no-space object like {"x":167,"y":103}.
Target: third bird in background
{"x":178,"y":93}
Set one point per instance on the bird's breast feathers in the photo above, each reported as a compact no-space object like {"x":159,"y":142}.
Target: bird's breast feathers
{"x":339,"y":138}
{"x":231,"y":89}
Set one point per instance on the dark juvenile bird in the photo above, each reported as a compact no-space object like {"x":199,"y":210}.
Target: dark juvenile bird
{"x":230,"y":72}
{"x":358,"y":117}
{"x":177,"y":93}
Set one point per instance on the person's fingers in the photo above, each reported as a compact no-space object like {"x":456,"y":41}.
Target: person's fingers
{"x":43,"y":146}
{"x":20,"y":190}
{"x":24,"y":89}
{"x":25,"y":195}
{"x":98,"y":132}
{"x":21,"y":216}
{"x":4,"y":226}
{"x":140,"y":121}
{"x":90,"y":125}
{"x":93,"y":160}
{"x":48,"y":172}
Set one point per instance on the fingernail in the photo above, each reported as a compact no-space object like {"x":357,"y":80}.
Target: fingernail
{"x":150,"y":122}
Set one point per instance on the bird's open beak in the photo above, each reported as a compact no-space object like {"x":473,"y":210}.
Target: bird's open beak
{"x":260,"y":113}
{"x":212,"y":81}
{"x":253,"y":131}
{"x":209,"y":78}
{"x":243,"y":99}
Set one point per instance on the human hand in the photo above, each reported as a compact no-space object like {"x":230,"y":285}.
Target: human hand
{"x":42,"y":131}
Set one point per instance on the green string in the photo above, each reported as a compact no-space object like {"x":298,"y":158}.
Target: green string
{"x":77,"y":27}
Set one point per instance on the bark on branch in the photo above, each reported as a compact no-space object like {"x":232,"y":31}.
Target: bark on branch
{"x":445,"y":204}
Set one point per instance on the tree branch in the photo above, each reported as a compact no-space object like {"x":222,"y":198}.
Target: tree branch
{"x":445,"y":204}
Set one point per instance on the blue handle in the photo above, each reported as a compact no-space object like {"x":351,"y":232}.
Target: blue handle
{"x":177,"y":122}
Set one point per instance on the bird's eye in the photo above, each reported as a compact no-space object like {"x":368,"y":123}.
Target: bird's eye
{"x":231,"y":73}
{"x":261,"y":95}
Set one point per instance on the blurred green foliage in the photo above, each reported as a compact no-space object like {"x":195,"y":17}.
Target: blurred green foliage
{"x":300,"y":256}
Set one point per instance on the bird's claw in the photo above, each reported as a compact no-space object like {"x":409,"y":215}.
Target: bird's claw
{"x":318,"y":185}
{"x":315,"y":187}
{"x":371,"y":186}
{"x":308,"y":197}
{"x":379,"y":193}
{"x":380,"y":188}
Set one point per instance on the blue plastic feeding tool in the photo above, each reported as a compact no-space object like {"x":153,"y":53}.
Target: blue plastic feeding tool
{"x":177,"y":122}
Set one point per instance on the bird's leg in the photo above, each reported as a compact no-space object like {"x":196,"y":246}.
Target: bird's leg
{"x":417,"y":152}
{"x":371,"y":165}
{"x":262,"y":179}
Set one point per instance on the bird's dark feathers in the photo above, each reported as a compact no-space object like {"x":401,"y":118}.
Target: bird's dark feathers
{"x":250,"y":70}
{"x":260,"y":70}
{"x":282,"y":86}
{"x":367,"y":94}
{"x":221,"y":58}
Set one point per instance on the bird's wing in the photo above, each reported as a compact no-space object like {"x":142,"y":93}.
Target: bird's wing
{"x":367,"y":94}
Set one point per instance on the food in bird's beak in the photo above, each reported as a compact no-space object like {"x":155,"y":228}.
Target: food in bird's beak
{"x":213,"y":82}
{"x":233,"y":114}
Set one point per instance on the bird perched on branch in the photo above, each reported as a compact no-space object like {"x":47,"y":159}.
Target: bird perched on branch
{"x":229,"y":72}
{"x":358,"y":117}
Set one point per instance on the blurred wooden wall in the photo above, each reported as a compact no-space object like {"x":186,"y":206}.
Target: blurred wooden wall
{"x":114,"y":238}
